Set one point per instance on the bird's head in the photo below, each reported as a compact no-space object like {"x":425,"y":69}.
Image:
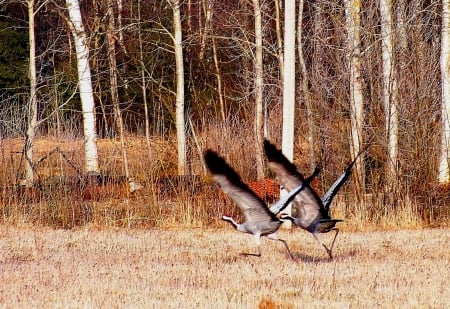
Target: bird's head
{"x":285,"y":216}
{"x":226,"y":217}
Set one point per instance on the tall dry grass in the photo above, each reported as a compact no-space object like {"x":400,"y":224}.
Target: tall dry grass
{"x":202,"y":268}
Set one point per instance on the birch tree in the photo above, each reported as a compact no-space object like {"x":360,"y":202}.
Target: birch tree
{"x":85,"y":85}
{"x":353,"y":24}
{"x":390,"y":92}
{"x":287,"y":144}
{"x":32,"y":105}
{"x":180,"y":113}
{"x":259,"y":116}
{"x":444,"y":170}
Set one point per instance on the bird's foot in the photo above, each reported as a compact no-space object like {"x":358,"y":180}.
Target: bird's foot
{"x":250,"y":254}
{"x":328,"y":251}
{"x":330,"y":254}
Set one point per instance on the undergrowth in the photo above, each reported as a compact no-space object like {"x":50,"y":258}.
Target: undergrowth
{"x":62,"y":199}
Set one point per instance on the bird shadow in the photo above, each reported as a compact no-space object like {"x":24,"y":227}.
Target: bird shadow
{"x":305,"y":258}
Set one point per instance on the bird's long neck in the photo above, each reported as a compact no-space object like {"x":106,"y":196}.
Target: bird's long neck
{"x":286,"y":217}
{"x":236,"y":225}
{"x":231,"y":220}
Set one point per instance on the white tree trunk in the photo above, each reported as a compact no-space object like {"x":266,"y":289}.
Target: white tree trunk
{"x":289,"y":81}
{"x":86,"y":93}
{"x":32,"y":108}
{"x":353,"y":24}
{"x":180,"y":116}
{"x":259,"y":117}
{"x":287,"y":144}
{"x":444,"y":170}
{"x":390,"y":92}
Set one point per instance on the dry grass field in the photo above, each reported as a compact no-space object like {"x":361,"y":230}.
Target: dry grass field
{"x":201,"y":268}
{"x":65,"y":245}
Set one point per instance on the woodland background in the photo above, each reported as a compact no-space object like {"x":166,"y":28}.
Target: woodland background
{"x":218,"y":45}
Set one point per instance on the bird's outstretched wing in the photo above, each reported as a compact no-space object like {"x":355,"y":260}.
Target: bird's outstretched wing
{"x":336,"y":186}
{"x":307,"y":203}
{"x":252,"y":206}
{"x":285,"y":200}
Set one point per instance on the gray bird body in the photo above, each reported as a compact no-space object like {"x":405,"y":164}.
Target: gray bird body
{"x":308,"y":208}
{"x":259,"y":220}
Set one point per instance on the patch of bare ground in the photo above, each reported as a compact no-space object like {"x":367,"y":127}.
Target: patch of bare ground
{"x":202,"y":268}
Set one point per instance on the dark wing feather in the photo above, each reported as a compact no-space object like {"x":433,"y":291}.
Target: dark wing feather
{"x":336,"y":186}
{"x":252,"y":206}
{"x":307,"y":203}
{"x":285,"y":200}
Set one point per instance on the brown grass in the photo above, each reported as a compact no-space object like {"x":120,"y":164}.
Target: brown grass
{"x":188,"y":202}
{"x":202,"y":268}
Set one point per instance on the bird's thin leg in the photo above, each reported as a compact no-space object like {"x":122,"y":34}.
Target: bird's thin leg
{"x":275,"y":237}
{"x":316,"y":236}
{"x":334,"y":239}
{"x":258,"y":243}
{"x":252,"y":254}
{"x":287,"y":248}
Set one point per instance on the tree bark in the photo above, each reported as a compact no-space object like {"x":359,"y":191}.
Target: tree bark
{"x":180,"y":112}
{"x":305,"y":88}
{"x":287,"y":144}
{"x":390,"y":93}
{"x":115,"y":94}
{"x":216,"y":64}
{"x":32,"y":107}
{"x":444,"y":170}
{"x":353,"y":24}
{"x":259,"y":109}
{"x":279,"y":37}
{"x":144,"y":84}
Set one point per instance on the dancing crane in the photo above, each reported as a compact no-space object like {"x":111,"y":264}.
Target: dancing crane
{"x":260,"y":221}
{"x":312,"y":212}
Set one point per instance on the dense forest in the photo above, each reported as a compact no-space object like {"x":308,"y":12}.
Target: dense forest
{"x":219,"y":56}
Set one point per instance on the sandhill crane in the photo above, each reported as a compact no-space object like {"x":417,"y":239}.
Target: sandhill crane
{"x":312,"y":211}
{"x":260,"y":221}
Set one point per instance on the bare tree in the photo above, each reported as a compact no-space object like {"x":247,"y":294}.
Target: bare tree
{"x":444,"y":170}
{"x":353,"y":24}
{"x":305,"y":88}
{"x":143,"y":82}
{"x":287,"y":143}
{"x":32,"y":105}
{"x":401,"y":31}
{"x":278,"y":28}
{"x":115,"y":93}
{"x":259,"y":109}
{"x":180,"y":112}
{"x":85,"y":85}
{"x":206,"y":35}
{"x":390,"y":92}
